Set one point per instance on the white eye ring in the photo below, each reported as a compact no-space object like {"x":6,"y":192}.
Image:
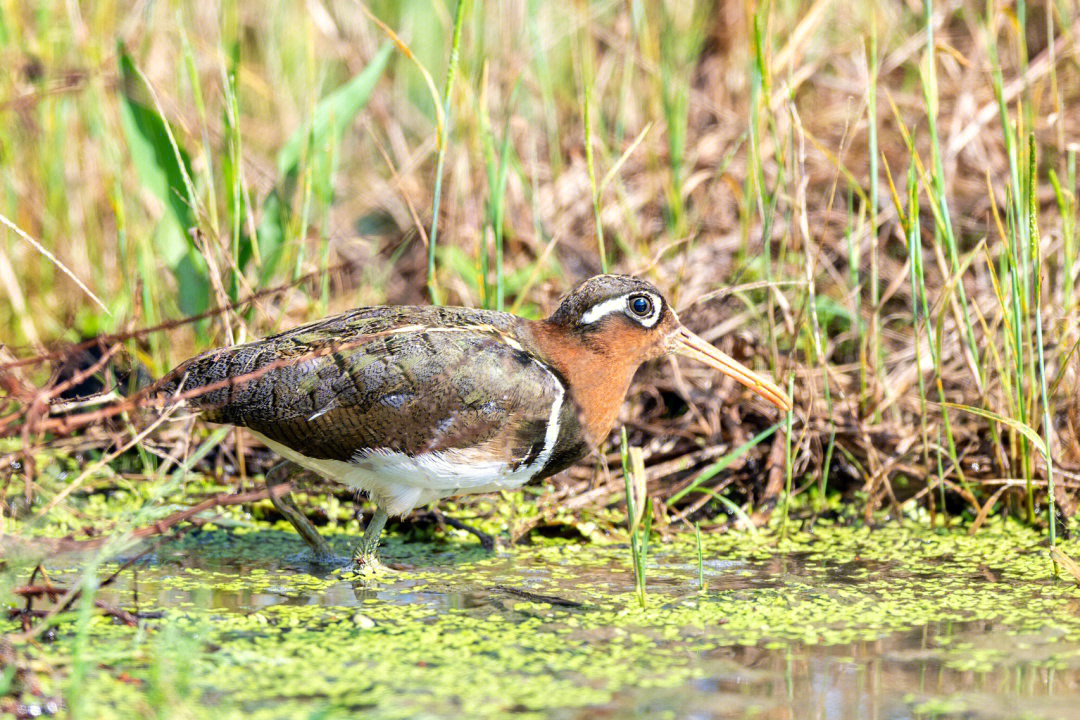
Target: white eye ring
{"x":656,"y":306}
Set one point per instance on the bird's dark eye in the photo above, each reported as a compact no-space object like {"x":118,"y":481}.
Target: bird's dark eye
{"x":641,"y":305}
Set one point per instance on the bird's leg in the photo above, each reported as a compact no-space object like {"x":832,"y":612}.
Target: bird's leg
{"x":486,"y":541}
{"x":365,"y":551}
{"x":284,"y":472}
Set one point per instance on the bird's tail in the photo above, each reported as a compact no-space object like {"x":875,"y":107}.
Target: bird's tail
{"x":88,"y":377}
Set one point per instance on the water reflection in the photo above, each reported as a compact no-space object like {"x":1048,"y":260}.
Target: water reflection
{"x":862,"y":680}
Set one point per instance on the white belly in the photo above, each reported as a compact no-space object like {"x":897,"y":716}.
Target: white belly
{"x":398,"y":483}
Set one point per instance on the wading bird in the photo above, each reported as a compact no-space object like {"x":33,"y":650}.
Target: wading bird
{"x":414,"y":404}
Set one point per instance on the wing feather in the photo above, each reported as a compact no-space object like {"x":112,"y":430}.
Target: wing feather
{"x":355,"y":383}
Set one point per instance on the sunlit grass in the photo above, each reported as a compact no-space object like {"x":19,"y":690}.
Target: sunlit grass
{"x":415,"y":151}
{"x":891,"y":187}
{"x":639,"y":511}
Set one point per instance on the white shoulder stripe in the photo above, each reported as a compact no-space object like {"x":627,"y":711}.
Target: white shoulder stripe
{"x":551,"y":436}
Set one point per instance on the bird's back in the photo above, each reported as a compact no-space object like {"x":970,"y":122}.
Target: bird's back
{"x":412,"y":380}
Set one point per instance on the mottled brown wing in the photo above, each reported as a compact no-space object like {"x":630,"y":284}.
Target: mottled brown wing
{"x":330,"y":391}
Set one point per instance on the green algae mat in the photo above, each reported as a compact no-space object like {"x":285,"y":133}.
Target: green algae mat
{"x":895,"y":622}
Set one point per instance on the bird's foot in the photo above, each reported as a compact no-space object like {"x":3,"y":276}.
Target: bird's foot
{"x":369,"y":566}
{"x":365,"y":554}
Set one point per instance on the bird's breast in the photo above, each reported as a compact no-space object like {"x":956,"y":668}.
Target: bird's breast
{"x":597,"y":382}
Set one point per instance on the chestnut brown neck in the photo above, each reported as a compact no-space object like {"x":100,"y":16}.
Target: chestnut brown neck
{"x":597,"y":369}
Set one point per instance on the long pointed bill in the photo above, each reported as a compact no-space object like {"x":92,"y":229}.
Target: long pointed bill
{"x":689,"y":345}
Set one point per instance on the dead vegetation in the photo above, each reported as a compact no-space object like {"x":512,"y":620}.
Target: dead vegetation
{"x":762,"y":176}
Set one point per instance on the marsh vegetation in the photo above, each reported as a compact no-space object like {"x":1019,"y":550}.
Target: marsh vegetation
{"x":874,"y":203}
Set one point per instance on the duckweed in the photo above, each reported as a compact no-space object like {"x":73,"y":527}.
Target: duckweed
{"x":913,"y":622}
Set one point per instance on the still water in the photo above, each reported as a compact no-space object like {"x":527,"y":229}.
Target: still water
{"x":901,"y":626}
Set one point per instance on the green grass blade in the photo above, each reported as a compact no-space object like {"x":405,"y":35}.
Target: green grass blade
{"x":162,"y":171}
{"x":451,"y":74}
{"x":591,"y":167}
{"x":723,"y":463}
{"x":333,"y":114}
{"x":1023,"y":428}
{"x":1037,"y":266}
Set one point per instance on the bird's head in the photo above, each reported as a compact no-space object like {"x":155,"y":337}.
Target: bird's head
{"x":627,"y":319}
